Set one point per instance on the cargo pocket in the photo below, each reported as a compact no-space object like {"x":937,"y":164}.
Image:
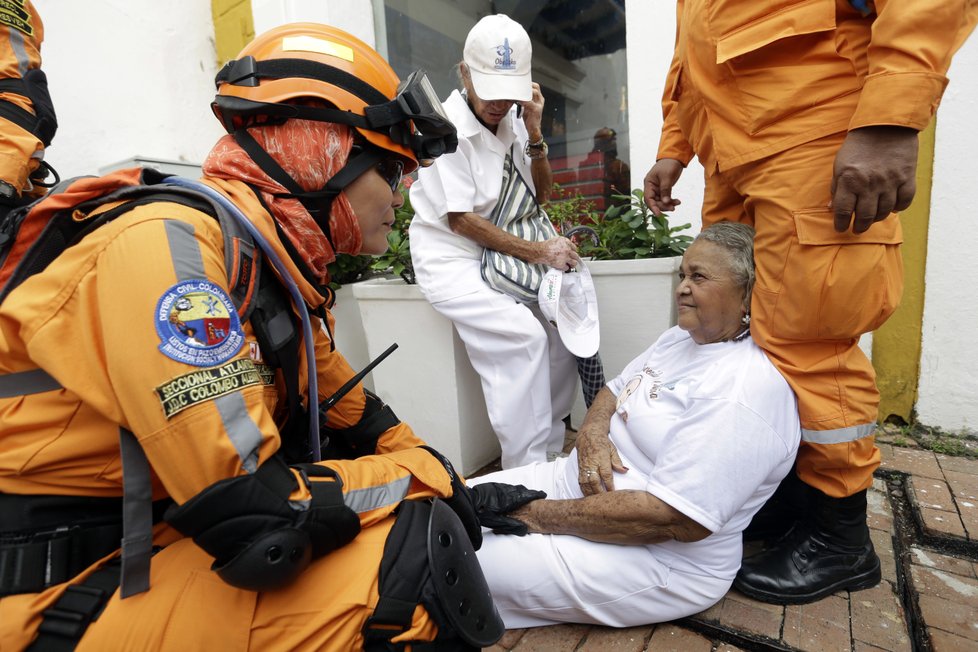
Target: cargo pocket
{"x":786,"y":62}
{"x":836,"y":286}
{"x":210,"y":615}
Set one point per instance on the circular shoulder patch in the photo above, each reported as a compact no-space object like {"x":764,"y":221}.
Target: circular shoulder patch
{"x":198,"y":324}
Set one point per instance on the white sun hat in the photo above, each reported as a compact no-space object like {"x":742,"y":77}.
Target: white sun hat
{"x":568,"y":300}
{"x":498,"y":52}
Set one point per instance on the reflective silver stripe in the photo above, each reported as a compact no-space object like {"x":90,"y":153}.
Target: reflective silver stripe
{"x":241,"y":429}
{"x":840,"y":436}
{"x":22,"y":383}
{"x":137,"y":516}
{"x":17,"y":46}
{"x":188,"y":262}
{"x":364,"y":500}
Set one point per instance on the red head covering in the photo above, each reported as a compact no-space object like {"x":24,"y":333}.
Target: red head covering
{"x":311,"y":153}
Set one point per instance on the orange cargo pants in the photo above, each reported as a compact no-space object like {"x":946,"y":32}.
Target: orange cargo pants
{"x":816,"y":292}
{"x":188,"y":608}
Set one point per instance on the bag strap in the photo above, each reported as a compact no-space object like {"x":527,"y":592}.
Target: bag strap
{"x":512,"y":205}
{"x":519,"y":175}
{"x":64,"y":623}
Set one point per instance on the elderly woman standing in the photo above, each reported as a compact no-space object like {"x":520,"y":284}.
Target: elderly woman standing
{"x":673,"y":459}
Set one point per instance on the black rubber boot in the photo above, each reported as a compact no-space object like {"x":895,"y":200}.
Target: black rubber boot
{"x":791,"y":502}
{"x":831,"y":553}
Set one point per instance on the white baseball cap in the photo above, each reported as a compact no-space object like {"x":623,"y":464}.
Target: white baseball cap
{"x":568,"y":300}
{"x":498,"y":52}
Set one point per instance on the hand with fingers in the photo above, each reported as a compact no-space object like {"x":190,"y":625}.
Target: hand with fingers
{"x":659,"y":182}
{"x":497,"y":505}
{"x":533,"y":112}
{"x":597,"y":459}
{"x":559,"y":253}
{"x":874,"y":175}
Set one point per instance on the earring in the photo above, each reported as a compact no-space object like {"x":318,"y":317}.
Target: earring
{"x":745,"y":320}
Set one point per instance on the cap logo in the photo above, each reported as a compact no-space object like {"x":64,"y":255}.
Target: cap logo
{"x":504,"y":57}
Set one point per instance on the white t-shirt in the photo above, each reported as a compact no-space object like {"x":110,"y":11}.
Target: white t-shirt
{"x":468,"y":180}
{"x":711,"y":430}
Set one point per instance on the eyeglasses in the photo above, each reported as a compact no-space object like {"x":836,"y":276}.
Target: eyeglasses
{"x":391,"y":169}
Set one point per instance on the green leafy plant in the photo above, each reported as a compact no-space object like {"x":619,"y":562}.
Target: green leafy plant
{"x":348,"y":269}
{"x":629,"y":230}
{"x":567,"y":211}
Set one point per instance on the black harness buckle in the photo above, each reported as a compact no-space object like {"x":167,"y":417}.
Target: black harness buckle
{"x":240,"y":72}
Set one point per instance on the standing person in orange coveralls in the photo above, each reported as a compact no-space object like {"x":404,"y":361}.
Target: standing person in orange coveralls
{"x":805,"y":116}
{"x":27,"y":119}
{"x":205,"y":457}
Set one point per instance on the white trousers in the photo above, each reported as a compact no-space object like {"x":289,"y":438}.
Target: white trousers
{"x":542,"y":579}
{"x":528,"y":377}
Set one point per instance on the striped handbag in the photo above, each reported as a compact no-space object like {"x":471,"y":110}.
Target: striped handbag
{"x":518,"y":213}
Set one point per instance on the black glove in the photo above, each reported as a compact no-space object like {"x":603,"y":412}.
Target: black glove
{"x":462,"y":501}
{"x":494,"y":499}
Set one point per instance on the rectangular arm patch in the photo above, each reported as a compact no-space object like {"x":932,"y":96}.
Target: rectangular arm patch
{"x":206,"y":385}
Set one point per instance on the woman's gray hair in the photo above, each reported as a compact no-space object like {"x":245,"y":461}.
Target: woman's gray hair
{"x":738,"y":240}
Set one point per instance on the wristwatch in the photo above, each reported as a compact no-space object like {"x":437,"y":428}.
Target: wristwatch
{"x":536,"y":150}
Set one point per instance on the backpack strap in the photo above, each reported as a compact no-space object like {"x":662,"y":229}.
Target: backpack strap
{"x":233,"y":212}
{"x":63,"y":229}
{"x":64,"y":623}
{"x":10,"y":111}
{"x":22,"y":383}
{"x":241,"y":257}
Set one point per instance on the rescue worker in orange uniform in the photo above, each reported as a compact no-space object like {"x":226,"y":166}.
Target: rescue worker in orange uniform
{"x":805,"y":117}
{"x":27,"y":118}
{"x":204,"y":456}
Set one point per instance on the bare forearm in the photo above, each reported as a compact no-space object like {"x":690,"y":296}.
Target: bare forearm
{"x":601,"y":410}
{"x":490,"y":236}
{"x":621,"y":517}
{"x":543,"y":178}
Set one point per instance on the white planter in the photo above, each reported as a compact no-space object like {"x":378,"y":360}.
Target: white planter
{"x":348,"y":332}
{"x":636,"y":304}
{"x":428,"y":381}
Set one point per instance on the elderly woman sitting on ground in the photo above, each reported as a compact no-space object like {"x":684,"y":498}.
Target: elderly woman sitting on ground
{"x":643,"y":521}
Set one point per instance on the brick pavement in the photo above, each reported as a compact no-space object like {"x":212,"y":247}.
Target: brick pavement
{"x":923,"y":515}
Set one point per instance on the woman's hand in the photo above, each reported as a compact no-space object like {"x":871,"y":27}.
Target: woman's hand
{"x":559,"y":253}
{"x":597,"y":459}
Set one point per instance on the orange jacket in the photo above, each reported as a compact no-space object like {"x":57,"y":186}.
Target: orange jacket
{"x":21,"y":33}
{"x":750,"y":79}
{"x":89,"y":321}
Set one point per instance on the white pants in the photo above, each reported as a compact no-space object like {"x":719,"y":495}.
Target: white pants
{"x":542,"y":579}
{"x":528,"y":377}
